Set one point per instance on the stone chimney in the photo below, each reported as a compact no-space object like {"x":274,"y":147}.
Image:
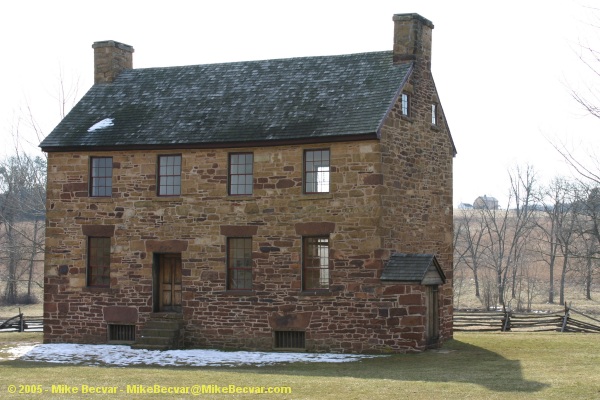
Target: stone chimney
{"x":110,"y":58}
{"x":412,"y":38}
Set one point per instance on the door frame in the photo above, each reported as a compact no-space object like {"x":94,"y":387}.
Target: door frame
{"x":157,"y":282}
{"x":433,"y":314}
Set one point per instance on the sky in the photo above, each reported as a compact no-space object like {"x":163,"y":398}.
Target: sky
{"x":121,"y":356}
{"x":505,"y":71}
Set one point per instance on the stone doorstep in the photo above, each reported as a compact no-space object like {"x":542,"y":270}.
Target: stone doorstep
{"x":166,"y":315}
{"x":164,"y":324}
{"x":155,"y":332}
{"x":163,"y":331}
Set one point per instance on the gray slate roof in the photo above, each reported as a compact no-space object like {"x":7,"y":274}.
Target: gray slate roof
{"x":314,"y":98}
{"x":421,"y":268}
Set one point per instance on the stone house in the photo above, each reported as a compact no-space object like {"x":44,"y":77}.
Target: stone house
{"x":300,"y":203}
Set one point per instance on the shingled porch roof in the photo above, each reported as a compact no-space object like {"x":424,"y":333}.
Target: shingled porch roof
{"x":419,"y":268}
{"x":328,"y":98}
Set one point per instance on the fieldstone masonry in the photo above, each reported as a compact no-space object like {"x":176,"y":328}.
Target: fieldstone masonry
{"x":388,"y":195}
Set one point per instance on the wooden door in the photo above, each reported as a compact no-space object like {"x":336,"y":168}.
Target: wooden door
{"x":169,"y":271}
{"x":433,"y":315}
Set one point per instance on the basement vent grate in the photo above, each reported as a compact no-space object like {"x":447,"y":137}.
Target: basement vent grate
{"x":121,"y":333}
{"x":289,"y":340}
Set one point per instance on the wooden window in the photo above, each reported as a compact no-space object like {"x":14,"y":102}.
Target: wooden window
{"x":98,"y":273}
{"x":405,"y":104}
{"x":101,"y":176}
{"x":316,"y":171}
{"x":240,"y":174}
{"x":315,"y":263}
{"x":434,"y":117}
{"x":239,"y":264}
{"x":290,"y":340}
{"x":169,"y":175}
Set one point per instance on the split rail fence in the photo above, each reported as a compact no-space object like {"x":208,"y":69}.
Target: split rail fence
{"x":570,"y":320}
{"x":509,"y":321}
{"x":20,"y":323}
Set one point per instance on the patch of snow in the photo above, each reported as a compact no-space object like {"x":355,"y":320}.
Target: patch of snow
{"x":118,"y":355}
{"x":19,"y":351}
{"x":105,"y":123}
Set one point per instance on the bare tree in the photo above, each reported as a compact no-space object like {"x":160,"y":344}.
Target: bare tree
{"x":507,"y":231}
{"x":588,"y":97}
{"x":565,"y":238}
{"x":468,"y":243}
{"x":555,"y":201}
{"x":588,"y":227}
{"x":23,"y":194}
{"x":22,"y":213}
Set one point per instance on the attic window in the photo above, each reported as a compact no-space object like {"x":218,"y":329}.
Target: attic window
{"x":405,"y":104}
{"x":434,"y":117}
{"x":105,"y":123}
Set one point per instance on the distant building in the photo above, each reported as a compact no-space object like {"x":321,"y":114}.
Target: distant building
{"x":465,"y":206}
{"x":483,"y":202}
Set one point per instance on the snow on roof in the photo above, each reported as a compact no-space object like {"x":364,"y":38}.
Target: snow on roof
{"x":120,"y":355}
{"x":105,"y":123}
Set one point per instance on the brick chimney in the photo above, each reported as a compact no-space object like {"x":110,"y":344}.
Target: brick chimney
{"x":110,"y":58}
{"x":412,"y":38}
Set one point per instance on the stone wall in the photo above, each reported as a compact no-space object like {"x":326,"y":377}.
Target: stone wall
{"x":357,"y":314}
{"x":417,"y":161}
{"x":387,"y":195}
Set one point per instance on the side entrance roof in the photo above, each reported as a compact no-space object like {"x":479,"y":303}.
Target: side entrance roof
{"x":420,"y":268}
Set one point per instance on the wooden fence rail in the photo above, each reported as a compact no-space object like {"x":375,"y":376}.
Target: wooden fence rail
{"x":489,"y":321}
{"x":20,"y":323}
{"x":474,"y":321}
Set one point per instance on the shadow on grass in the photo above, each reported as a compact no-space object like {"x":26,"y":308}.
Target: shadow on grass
{"x":457,"y":362}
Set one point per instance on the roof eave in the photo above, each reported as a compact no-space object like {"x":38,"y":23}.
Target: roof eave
{"x":395,"y":99}
{"x":216,"y":145}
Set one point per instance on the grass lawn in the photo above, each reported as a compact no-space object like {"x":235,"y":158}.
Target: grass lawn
{"x":473,"y":365}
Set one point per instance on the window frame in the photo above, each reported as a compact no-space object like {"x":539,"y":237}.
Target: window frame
{"x":231,"y":175}
{"x":232,"y":284}
{"x":322,"y":267}
{"x":160,"y":175}
{"x":434,"y":114}
{"x":315,"y":172}
{"x":405,"y":104}
{"x":98,"y":262}
{"x":93,"y":178}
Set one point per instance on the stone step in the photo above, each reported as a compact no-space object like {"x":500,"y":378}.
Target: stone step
{"x":154,"y":332}
{"x":162,"y":341}
{"x":166,"y":316}
{"x":161,"y":324}
{"x":163,"y":331}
